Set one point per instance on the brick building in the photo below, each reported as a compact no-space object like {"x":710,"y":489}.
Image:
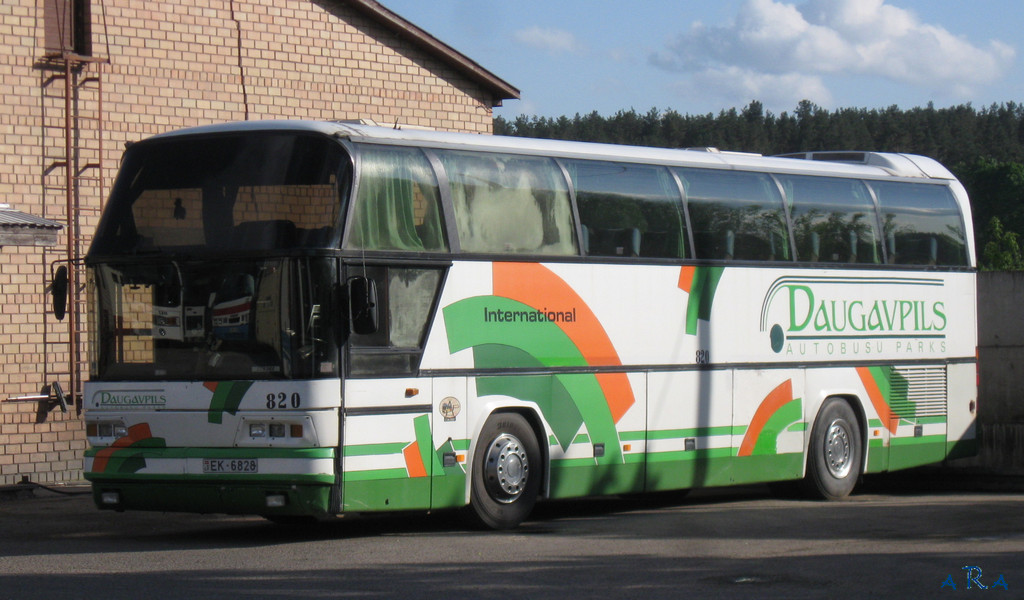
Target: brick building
{"x":84,"y":77}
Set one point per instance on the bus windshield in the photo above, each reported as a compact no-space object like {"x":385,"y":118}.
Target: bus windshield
{"x":244,"y":319}
{"x":208,"y":195}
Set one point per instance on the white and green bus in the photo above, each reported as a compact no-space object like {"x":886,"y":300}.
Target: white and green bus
{"x":299,"y":319}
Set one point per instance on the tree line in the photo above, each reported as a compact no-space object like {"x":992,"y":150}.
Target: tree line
{"x":983,"y":147}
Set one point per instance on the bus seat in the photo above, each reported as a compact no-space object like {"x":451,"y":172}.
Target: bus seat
{"x":730,"y":244}
{"x":613,"y":242}
{"x":626,"y":242}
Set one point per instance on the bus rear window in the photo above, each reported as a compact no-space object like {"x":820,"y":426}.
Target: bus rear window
{"x":922,"y":224}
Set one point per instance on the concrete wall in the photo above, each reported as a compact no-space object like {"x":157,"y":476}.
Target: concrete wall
{"x":1001,"y":360}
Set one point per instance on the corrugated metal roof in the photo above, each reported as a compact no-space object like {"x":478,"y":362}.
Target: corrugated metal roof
{"x":10,"y":218}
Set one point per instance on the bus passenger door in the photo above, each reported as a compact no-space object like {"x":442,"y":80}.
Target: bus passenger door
{"x":389,"y":456}
{"x":387,"y":450}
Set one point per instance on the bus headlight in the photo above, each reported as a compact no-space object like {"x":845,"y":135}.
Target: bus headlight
{"x":294,"y":431}
{"x":105,"y":432}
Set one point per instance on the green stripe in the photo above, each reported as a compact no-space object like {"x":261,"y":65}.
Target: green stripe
{"x":913,"y":452}
{"x":571,"y":481}
{"x":374,"y":474}
{"x":256,"y":478}
{"x":572,"y":462}
{"x":775,"y":426}
{"x":431,"y":462}
{"x":671,"y":434}
{"x":878,"y":456}
{"x":914,"y":441}
{"x":403,"y":493}
{"x":924,"y":420}
{"x":227,"y":397}
{"x":691,"y":454}
{"x":375,"y":449}
{"x":723,"y":470}
{"x":179,"y":453}
{"x":702,"y":295}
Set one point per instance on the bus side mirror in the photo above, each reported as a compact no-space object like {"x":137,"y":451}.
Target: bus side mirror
{"x":59,"y":291}
{"x":362,"y":305}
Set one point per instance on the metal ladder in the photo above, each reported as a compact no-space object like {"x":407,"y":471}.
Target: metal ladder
{"x":73,"y":187}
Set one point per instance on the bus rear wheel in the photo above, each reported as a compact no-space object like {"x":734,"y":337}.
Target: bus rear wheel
{"x":835,"y":452}
{"x":507,"y":472}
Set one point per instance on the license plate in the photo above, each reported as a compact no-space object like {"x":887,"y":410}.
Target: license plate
{"x":230,"y":465}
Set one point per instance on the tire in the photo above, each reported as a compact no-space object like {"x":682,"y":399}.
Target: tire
{"x":507,"y":472}
{"x":835,"y":452}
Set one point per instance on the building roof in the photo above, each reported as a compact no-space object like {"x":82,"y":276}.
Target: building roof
{"x":499,"y":88}
{"x":22,"y":229}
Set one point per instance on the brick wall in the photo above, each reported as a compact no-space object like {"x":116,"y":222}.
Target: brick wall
{"x":172,"y":64}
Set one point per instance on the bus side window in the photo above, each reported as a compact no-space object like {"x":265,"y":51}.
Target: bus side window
{"x":735,"y":215}
{"x":922,"y":224}
{"x":628,"y":210}
{"x":397,"y":204}
{"x":405,"y":298}
{"x":833,"y":220}
{"x":510,"y":204}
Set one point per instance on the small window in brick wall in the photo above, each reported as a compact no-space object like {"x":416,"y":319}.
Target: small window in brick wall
{"x":68,"y":25}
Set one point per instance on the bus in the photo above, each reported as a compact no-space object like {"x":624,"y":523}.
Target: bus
{"x":310,"y":319}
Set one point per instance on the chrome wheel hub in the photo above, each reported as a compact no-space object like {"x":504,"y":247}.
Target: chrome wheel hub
{"x":838,"y":449}
{"x":507,"y":468}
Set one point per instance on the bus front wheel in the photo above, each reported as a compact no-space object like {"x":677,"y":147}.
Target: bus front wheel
{"x":507,"y":472}
{"x":835,"y":452}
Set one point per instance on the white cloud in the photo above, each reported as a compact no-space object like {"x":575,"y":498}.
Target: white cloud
{"x":735,"y":84}
{"x":555,"y":41}
{"x":776,"y":43}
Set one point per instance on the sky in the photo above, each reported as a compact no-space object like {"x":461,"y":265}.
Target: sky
{"x":705,"y":56}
